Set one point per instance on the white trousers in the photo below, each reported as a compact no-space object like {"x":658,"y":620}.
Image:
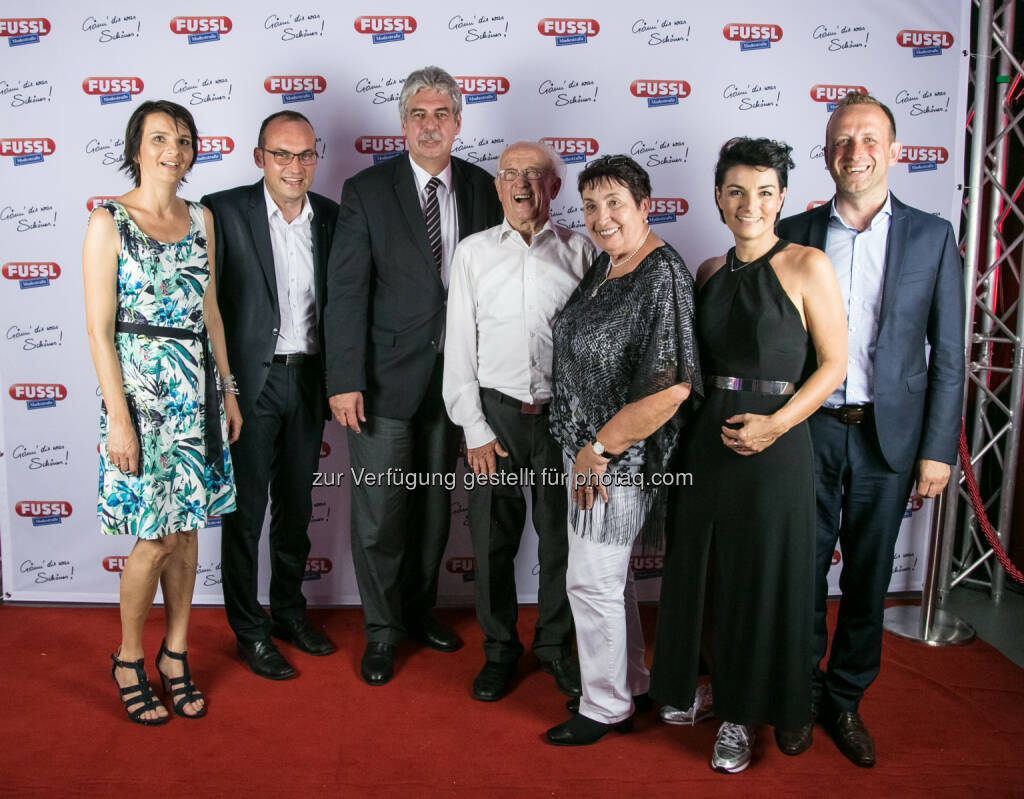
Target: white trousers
{"x":610,"y":640}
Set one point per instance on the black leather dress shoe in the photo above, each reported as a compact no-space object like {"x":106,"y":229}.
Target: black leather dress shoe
{"x":642,"y":703}
{"x":378,"y":664}
{"x":430,"y":632}
{"x":796,"y":742}
{"x":264,"y":659}
{"x":305,"y":637}
{"x":566,"y":672}
{"x":580,"y":731}
{"x":493,"y":681}
{"x":852,"y":738}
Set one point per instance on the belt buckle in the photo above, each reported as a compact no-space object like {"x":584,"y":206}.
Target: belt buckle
{"x":530,"y":408}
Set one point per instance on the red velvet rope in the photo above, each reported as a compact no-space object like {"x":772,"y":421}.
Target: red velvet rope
{"x":979,"y":509}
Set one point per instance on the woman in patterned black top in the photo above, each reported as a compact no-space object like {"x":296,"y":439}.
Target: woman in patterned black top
{"x":154,"y":333}
{"x":625,"y":359}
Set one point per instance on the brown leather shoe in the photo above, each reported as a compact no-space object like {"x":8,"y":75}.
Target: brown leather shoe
{"x":853,"y":739}
{"x":796,"y":742}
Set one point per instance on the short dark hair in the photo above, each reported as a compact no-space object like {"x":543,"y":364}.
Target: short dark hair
{"x":856,"y":98}
{"x":758,"y":153}
{"x":617,"y":169}
{"x":133,"y":132}
{"x":290,"y":116}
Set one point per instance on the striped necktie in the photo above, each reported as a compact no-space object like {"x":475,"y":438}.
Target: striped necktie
{"x":432,"y":215}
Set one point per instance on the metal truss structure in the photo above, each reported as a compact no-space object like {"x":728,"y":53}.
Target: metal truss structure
{"x":993,"y":249}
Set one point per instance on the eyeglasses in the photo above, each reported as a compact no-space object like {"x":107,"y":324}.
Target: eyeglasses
{"x":530,"y":173}
{"x":283,"y":157}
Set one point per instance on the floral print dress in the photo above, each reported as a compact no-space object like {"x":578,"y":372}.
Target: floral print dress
{"x":163,"y":284}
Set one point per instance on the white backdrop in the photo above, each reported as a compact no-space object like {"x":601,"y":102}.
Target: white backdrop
{"x":665,"y":81}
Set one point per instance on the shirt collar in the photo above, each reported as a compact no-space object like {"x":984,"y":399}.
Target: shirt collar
{"x":885,"y":210}
{"x":507,"y":230}
{"x":272,"y":210}
{"x":422,"y":176}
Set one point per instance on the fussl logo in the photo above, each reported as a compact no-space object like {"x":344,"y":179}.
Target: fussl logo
{"x":115,"y":563}
{"x":38,"y":395}
{"x":751,"y":36}
{"x":42,"y":513}
{"x":27,"y":151}
{"x":568,"y":31}
{"x":666,"y":209}
{"x":92,"y":202}
{"x":925,"y":43}
{"x":30,"y":275}
{"x":833,"y":93}
{"x":572,"y":149}
{"x":482,"y":90}
{"x":295,"y":88}
{"x":23,"y":30}
{"x":463,"y":566}
{"x":213,"y":148}
{"x":660,"y":92}
{"x":923,"y":159}
{"x":381,"y":147}
{"x":385,"y":28}
{"x":317,"y":568}
{"x":201,"y":29}
{"x":113,"y":90}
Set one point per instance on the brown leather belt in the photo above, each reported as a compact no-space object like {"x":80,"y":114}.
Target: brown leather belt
{"x":849,"y":414}
{"x":529,"y":408}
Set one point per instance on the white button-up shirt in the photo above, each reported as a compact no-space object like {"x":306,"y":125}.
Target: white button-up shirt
{"x":292,"y":243}
{"x":447,"y":208}
{"x":502,"y":302}
{"x":858,"y":257}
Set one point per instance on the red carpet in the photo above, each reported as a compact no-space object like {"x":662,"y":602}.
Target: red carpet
{"x":947,"y":722}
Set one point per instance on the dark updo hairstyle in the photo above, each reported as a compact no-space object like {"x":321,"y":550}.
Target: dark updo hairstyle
{"x":133,"y":133}
{"x":618,"y":169}
{"x":758,"y":153}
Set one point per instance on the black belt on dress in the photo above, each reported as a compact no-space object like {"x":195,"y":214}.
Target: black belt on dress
{"x":211,"y":430}
{"x":294,"y":358}
{"x":849,"y":414}
{"x":529,"y":408}
{"x":750,"y":384}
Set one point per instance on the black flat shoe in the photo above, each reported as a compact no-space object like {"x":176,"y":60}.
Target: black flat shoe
{"x":430,"y":632}
{"x":580,"y":731}
{"x":493,"y":681}
{"x":264,"y":659}
{"x":378,"y":664}
{"x":566,"y":672}
{"x":305,"y":637}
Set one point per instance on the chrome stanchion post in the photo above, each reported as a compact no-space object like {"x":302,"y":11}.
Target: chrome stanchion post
{"x":926,"y":623}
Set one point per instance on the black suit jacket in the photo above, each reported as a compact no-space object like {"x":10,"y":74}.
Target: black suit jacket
{"x":917,"y":402}
{"x":247,"y":285}
{"x":386,"y":303}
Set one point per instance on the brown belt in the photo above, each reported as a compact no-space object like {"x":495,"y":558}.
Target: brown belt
{"x":849,"y":414}
{"x":530,"y":408}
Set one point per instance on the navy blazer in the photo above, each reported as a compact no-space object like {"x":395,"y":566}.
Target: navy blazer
{"x":247,"y":283}
{"x":918,"y":403}
{"x":385,"y":300}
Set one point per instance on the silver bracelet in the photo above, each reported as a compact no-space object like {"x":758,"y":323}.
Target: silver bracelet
{"x":228,"y":385}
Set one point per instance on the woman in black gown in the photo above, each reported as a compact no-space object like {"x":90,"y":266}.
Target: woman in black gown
{"x":742,"y":536}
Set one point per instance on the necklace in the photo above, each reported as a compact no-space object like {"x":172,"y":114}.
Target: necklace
{"x":612,"y":265}
{"x":733,"y":260}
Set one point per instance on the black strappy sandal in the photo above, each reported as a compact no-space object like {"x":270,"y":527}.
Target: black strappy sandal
{"x":181,"y":689}
{"x":138,"y":698}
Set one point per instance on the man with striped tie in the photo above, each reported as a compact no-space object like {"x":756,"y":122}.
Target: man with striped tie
{"x":387,"y":279}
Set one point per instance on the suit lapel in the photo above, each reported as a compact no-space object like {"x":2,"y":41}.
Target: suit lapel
{"x":463,"y":200}
{"x":320,"y":252}
{"x":260,"y":229}
{"x":818,"y":226}
{"x":895,"y":252}
{"x":409,"y":201}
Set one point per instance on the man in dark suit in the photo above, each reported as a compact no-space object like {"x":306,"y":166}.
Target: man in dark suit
{"x":271,"y":242}
{"x":895,"y":421}
{"x":398,"y":225}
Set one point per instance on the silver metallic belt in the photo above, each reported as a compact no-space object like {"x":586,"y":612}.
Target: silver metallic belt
{"x":750,"y":384}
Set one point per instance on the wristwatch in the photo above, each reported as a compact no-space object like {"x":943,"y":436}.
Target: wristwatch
{"x":599,"y":449}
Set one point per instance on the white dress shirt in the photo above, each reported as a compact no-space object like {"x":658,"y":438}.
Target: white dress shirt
{"x":858,"y":257}
{"x":292,"y":243}
{"x":502,"y":302}
{"x":447,"y":208}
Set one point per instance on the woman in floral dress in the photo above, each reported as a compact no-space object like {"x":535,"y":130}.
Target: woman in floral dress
{"x":157,"y":343}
